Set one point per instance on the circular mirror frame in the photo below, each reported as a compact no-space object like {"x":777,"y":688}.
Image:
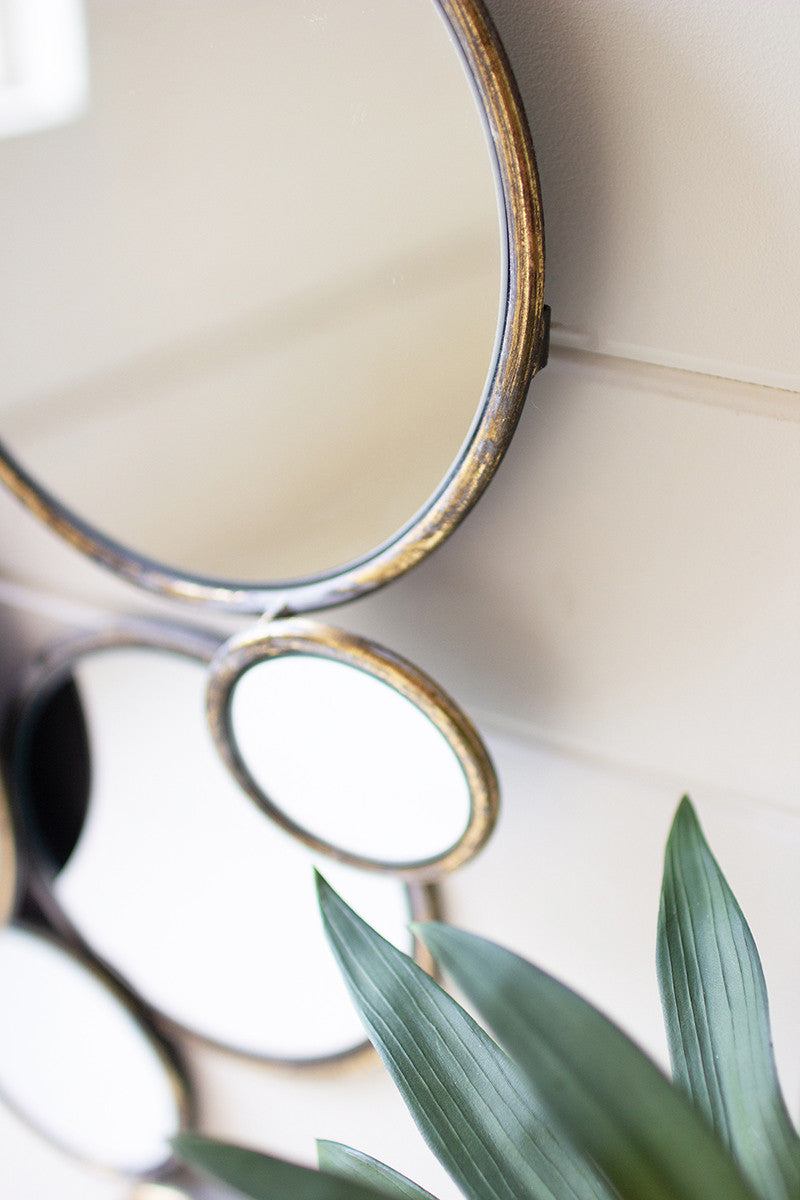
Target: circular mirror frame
{"x":520,"y":350}
{"x":173,"y":1068}
{"x":9,"y":879}
{"x":43,"y":674}
{"x":303,"y":637}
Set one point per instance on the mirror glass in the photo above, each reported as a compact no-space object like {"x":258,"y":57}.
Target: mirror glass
{"x":348,"y":758}
{"x":76,"y":1063}
{"x":250,"y":289}
{"x":175,"y":878}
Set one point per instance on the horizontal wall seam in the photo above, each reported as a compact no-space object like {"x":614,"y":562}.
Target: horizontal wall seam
{"x":678,"y":384}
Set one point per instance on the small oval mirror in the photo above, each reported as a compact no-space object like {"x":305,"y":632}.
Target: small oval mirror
{"x":348,"y":757}
{"x":78,"y":1064}
{"x":175,"y":879}
{"x":352,"y":749}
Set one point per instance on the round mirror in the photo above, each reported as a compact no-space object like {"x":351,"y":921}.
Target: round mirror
{"x":78,"y":1064}
{"x":173,"y":877}
{"x":352,"y":749}
{"x":260,"y":279}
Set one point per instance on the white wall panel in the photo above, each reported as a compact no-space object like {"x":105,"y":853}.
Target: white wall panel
{"x":631,"y":582}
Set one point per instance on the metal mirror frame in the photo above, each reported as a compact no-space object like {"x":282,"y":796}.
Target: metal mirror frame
{"x":21,"y":909}
{"x":520,"y":350}
{"x":300,"y":636}
{"x":42,"y":676}
{"x":9,"y":873}
{"x":172,"y":1066}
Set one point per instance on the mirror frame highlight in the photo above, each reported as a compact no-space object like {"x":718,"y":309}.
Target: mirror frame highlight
{"x":8,"y":860}
{"x":52,"y":667}
{"x":304,"y":637}
{"x":520,"y":350}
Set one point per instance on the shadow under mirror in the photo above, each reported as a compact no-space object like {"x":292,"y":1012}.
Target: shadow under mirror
{"x":175,"y":879}
{"x":256,"y":280}
{"x":77,"y":1063}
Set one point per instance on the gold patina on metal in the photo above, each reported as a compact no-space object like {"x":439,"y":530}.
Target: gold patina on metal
{"x":303,"y":637}
{"x":168,"y":1060}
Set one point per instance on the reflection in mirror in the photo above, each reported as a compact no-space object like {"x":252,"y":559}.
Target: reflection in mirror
{"x":349,"y":758}
{"x":257,"y":280}
{"x":178,"y":882}
{"x":77,"y":1064}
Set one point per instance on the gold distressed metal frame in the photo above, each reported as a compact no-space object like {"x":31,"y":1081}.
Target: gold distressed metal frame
{"x":43,"y":675}
{"x":303,"y":637}
{"x":521,"y":348}
{"x":14,"y":884}
{"x":174,"y":1071}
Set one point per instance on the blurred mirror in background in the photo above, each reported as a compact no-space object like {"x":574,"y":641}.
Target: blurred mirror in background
{"x":78,"y":1064}
{"x":250,"y":294}
{"x":170,"y":873}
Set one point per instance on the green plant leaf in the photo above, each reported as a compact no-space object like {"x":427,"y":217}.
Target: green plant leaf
{"x":611,"y":1100}
{"x":337,"y":1159}
{"x":716,"y":1011}
{"x":265,"y":1178}
{"x":466,"y":1096}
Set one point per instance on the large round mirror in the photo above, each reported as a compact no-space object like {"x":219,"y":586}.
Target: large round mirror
{"x":77,"y":1062}
{"x":265,"y":313}
{"x":164,"y":866}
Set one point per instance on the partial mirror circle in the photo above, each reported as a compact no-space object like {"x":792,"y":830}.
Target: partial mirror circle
{"x":76,"y":1061}
{"x":352,"y":749}
{"x":282,"y":274}
{"x":170,"y":873}
{"x":260,"y":276}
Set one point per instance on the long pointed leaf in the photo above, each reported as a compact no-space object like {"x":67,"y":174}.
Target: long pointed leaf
{"x":265,"y":1178}
{"x":465,"y":1095}
{"x":610,"y":1098}
{"x":716,"y":1011}
{"x":353,"y":1164}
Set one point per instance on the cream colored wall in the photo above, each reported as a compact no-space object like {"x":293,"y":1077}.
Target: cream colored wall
{"x":620,"y":612}
{"x":624,"y":602}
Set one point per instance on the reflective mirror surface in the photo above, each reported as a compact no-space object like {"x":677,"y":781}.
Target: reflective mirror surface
{"x":349,"y":758}
{"x":77,"y":1064}
{"x":175,"y":878}
{"x":255,"y":281}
